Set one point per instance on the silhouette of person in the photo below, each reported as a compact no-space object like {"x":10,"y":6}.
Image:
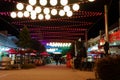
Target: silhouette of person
{"x":56,"y":59}
{"x":60,"y":61}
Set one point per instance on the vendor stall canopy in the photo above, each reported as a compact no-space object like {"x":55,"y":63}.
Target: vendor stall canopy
{"x":86,"y":18}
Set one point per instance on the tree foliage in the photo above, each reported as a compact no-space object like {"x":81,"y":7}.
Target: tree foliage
{"x":25,"y":41}
{"x":24,"y":38}
{"x":36,"y":45}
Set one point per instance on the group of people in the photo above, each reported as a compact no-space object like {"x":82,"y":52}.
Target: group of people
{"x":59,"y":60}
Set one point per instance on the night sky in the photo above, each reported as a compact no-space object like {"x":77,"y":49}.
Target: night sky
{"x":113,"y":17}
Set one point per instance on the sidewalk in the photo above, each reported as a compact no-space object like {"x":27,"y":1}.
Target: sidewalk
{"x":47,"y":72}
{"x":68,"y":73}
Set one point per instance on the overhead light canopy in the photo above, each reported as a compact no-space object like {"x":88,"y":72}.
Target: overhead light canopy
{"x":35,"y":9}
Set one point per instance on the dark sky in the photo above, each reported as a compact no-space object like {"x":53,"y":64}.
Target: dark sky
{"x":5,"y":25}
{"x":113,"y":17}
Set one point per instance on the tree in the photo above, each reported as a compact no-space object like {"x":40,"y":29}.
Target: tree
{"x":24,"y":42}
{"x":24,"y":38}
{"x":36,"y":45}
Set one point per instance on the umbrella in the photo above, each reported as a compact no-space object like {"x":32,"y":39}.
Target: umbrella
{"x":34,"y":51}
{"x":32,"y":54}
{"x":21,"y":52}
{"x":12,"y":51}
{"x":44,"y":54}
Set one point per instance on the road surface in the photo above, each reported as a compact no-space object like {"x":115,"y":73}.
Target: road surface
{"x":48,"y":72}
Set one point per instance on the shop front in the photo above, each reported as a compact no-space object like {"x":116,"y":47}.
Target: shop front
{"x":5,"y":45}
{"x":114,"y":39}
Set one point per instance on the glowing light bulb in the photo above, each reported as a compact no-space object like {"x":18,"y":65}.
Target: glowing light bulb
{"x":26,"y":14}
{"x":53,"y":2}
{"x":47,"y":16}
{"x":20,"y":6}
{"x":40,"y":16}
{"x":43,"y":2}
{"x":76,"y":7}
{"x":61,"y":12}
{"x":38,"y":9}
{"x":69,"y":13}
{"x":53,"y":11}
{"x":64,"y":2}
{"x":20,"y":14}
{"x":66,"y":8}
{"x":32,"y":2}
{"x":46,"y":10}
{"x":29,"y":8}
{"x":13,"y":14}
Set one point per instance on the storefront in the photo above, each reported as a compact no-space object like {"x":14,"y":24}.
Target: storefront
{"x":94,"y":52}
{"x":114,"y":39}
{"x":5,"y":45}
{"x":3,"y":51}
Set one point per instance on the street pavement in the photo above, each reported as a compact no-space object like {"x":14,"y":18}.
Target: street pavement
{"x":47,"y":72}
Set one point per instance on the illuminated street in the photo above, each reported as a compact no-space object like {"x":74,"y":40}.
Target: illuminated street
{"x":59,"y":40}
{"x":48,"y":72}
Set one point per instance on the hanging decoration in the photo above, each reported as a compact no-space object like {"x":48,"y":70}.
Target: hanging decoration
{"x":41,"y":11}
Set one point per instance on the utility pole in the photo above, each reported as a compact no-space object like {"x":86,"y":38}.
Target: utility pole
{"x":106,"y":45}
{"x":106,"y":23}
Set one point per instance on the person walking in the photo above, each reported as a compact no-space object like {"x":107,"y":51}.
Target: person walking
{"x":60,"y":61}
{"x":56,"y":59}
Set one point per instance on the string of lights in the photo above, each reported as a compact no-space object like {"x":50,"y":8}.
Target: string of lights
{"x":77,"y":22}
{"x":54,"y":27}
{"x":58,"y":33}
{"x":57,"y":27}
{"x":79,"y":13}
{"x":56,"y":40}
{"x":42,"y":11}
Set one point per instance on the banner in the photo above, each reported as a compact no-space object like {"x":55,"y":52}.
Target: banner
{"x":114,"y":36}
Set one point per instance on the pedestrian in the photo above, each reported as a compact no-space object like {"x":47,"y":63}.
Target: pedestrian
{"x":60,"y":61}
{"x":56,"y":59}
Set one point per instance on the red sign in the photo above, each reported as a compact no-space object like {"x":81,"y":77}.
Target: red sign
{"x":114,"y":36}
